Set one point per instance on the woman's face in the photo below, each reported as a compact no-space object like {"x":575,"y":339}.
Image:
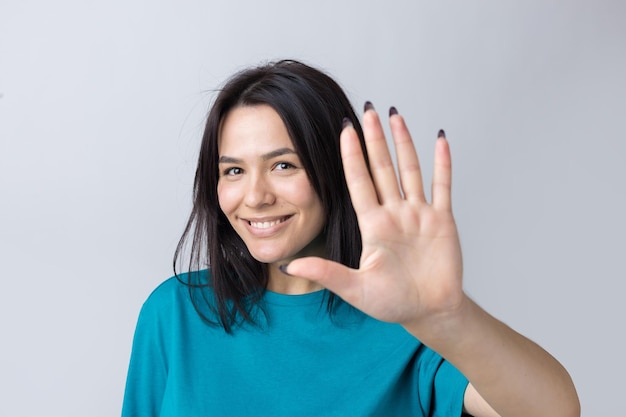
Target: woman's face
{"x":263,"y":188}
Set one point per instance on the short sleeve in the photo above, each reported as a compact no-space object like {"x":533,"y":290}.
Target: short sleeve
{"x":449,"y":391}
{"x":441,"y":386}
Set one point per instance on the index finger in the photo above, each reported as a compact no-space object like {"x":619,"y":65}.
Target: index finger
{"x":360,"y":185}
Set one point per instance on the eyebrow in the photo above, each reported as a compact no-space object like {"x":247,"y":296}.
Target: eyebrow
{"x":265,"y":157}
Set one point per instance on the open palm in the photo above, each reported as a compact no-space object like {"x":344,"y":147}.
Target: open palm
{"x":410,"y":268}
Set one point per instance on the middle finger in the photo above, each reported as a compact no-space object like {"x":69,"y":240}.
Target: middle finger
{"x":381,"y":165}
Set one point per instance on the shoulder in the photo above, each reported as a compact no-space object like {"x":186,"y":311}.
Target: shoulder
{"x":174,"y":291}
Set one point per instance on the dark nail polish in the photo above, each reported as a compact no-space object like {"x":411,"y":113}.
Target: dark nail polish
{"x":392,"y":111}
{"x":346,"y":122}
{"x":441,"y":134}
{"x":283,"y":269}
{"x":368,"y":106}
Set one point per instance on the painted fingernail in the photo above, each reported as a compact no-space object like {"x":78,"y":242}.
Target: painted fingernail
{"x":441,"y":134}
{"x":346,"y":122}
{"x":368,"y":106}
{"x":283,"y":269}
{"x":392,"y":111}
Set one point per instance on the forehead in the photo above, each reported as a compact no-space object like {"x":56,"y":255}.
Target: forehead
{"x":252,"y":129}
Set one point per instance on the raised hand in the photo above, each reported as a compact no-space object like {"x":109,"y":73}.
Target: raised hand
{"x":411,"y":267}
{"x":411,"y":273}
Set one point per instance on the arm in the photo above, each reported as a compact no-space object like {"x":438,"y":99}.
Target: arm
{"x":411,"y":273}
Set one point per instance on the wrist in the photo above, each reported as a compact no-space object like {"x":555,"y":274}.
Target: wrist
{"x":450,"y":329}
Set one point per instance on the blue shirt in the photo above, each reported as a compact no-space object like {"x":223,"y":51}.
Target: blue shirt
{"x":297,"y":361}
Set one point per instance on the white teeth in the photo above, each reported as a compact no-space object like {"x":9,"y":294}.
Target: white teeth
{"x":265,"y":225}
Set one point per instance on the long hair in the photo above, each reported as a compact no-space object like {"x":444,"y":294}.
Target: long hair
{"x":312,"y":106}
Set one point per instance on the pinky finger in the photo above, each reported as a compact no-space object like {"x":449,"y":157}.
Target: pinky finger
{"x":442,"y":175}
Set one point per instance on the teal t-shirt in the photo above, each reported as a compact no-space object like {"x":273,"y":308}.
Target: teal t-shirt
{"x":298,"y":361}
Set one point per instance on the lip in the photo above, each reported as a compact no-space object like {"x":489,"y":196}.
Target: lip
{"x":266,"y":226}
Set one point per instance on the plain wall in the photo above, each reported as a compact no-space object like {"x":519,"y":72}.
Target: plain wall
{"x":101,"y":111}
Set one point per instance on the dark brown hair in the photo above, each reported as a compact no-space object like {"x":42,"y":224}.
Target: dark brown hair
{"x":312,"y":106}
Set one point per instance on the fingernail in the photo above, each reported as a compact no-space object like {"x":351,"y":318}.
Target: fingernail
{"x":392,"y":111}
{"x":441,"y":134}
{"x":346,"y":122}
{"x":368,"y":106}
{"x":283,"y":269}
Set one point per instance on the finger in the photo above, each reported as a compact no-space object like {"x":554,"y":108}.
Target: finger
{"x":442,"y":175}
{"x":360,"y":186}
{"x":333,"y":276}
{"x":408,"y":161}
{"x":381,"y":164}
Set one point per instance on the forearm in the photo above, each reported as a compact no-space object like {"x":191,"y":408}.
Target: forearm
{"x":513,"y":374}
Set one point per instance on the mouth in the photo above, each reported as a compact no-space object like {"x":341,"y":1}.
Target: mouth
{"x":266,"y":224}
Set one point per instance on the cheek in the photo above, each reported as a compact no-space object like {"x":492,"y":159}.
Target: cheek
{"x":226,"y":197}
{"x":305,"y":196}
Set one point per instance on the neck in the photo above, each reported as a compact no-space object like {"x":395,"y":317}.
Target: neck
{"x":287,"y":284}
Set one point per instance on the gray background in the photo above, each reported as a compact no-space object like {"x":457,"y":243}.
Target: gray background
{"x":101,"y":112}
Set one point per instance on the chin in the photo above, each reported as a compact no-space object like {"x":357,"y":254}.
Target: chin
{"x":268,"y":258}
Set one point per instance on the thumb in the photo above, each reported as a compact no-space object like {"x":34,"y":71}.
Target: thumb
{"x":331,"y":275}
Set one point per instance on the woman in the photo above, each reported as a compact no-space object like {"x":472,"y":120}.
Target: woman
{"x":332,"y":288}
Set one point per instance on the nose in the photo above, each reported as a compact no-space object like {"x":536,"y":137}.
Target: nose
{"x":259,"y":192}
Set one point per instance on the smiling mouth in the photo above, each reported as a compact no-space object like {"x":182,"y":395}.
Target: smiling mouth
{"x":267,"y":224}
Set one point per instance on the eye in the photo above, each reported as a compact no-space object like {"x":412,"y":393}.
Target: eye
{"x":232,"y":171}
{"x":283,"y":166}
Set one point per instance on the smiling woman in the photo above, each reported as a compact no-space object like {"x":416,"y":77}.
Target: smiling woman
{"x":290,"y":214}
{"x":265,"y":193}
{"x":305,"y":109}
